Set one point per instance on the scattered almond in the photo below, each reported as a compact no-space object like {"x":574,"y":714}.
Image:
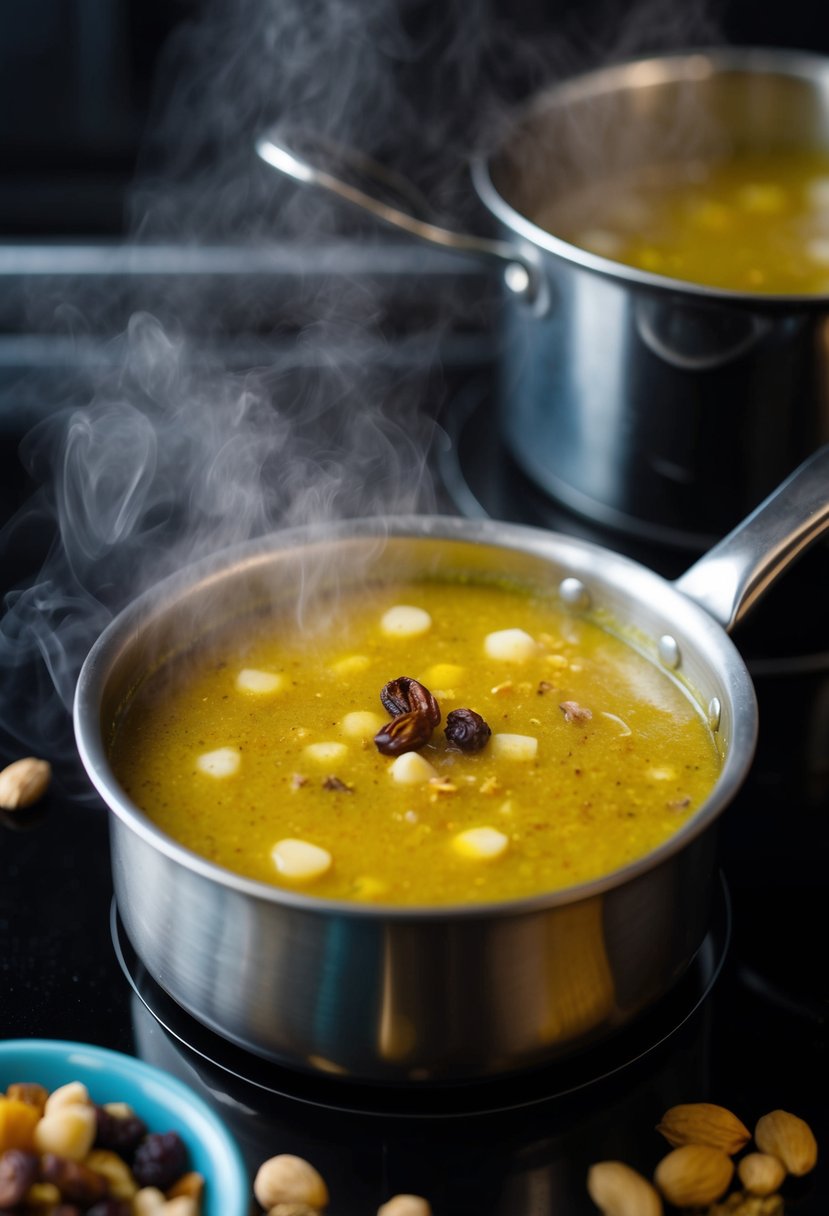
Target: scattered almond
{"x":24,"y":782}
{"x":761,"y":1174}
{"x":617,"y":1190}
{"x":704,"y":1123}
{"x":694,"y":1175}
{"x":788,"y":1138}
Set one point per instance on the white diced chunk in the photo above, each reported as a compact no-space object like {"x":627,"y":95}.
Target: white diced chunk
{"x":300,"y":860}
{"x":260,"y":683}
{"x":412,"y":769}
{"x":326,"y":753}
{"x":818,"y":250}
{"x":405,"y":621}
{"x":480,"y":844}
{"x":511,"y":645}
{"x":351,"y":664}
{"x":663,"y":773}
{"x":223,"y":762}
{"x":514,"y":747}
{"x":362,"y":724}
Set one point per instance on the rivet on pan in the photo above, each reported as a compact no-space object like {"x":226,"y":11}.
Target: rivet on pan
{"x":517,"y":278}
{"x":669,"y":651}
{"x":714,"y":713}
{"x":574,"y":593}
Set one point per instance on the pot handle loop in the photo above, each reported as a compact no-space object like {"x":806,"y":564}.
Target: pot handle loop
{"x":733,"y":576}
{"x":324,"y":163}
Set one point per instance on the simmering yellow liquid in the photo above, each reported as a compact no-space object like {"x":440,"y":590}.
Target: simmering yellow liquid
{"x":266,"y":734}
{"x":757,"y":223}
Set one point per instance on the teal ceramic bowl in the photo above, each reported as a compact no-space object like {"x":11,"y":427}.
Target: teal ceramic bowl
{"x":163,"y":1102}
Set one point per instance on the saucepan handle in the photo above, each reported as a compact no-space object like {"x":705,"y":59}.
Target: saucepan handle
{"x":317,"y":161}
{"x":733,"y":576}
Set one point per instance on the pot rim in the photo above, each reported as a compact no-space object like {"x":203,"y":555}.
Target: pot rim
{"x":719,"y":651}
{"x":692,"y":64}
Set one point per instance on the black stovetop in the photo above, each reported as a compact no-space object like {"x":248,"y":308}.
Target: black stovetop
{"x":747,"y":1028}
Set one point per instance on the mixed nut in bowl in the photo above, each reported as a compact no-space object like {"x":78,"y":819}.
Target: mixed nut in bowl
{"x":85,"y":1129}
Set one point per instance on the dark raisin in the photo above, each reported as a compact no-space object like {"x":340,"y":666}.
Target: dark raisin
{"x":159,"y":1160}
{"x":18,"y":1170}
{"x":120,"y":1133}
{"x":405,"y":733}
{"x":405,"y":695}
{"x":466,"y":730}
{"x":76,"y":1182}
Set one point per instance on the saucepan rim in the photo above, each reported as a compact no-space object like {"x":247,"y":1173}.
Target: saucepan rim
{"x":689,"y":65}
{"x":716,"y":649}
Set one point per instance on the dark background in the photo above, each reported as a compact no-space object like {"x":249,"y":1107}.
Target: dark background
{"x":95,"y":94}
{"x":85,"y":83}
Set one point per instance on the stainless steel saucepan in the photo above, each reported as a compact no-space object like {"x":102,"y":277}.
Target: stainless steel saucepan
{"x":662,"y":408}
{"x":419,"y":994}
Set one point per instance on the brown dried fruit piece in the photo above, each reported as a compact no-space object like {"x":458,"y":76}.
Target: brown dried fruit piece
{"x":694,"y":1175}
{"x":75,"y":1181}
{"x":704,"y":1123}
{"x":788,"y":1138}
{"x":29,"y":1092}
{"x":405,"y":695}
{"x":405,"y":733}
{"x":18,"y":1170}
{"x":466,"y":730}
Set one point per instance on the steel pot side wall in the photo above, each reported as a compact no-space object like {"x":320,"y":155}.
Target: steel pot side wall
{"x":654,"y":413}
{"x":432,"y":993}
{"x":657,"y":407}
{"x":391,"y":999}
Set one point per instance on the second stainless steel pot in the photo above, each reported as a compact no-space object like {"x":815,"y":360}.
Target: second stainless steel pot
{"x":412,"y":994}
{"x":658,"y":407}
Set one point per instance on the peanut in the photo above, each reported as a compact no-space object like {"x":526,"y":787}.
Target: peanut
{"x":67,"y":1132}
{"x":148,"y":1201}
{"x":761,"y":1174}
{"x":618,"y":1190}
{"x":73,"y":1094}
{"x":24,"y":782}
{"x":405,"y":1205}
{"x":286,"y":1179}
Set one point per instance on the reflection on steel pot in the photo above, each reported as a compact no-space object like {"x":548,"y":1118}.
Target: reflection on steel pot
{"x":660,"y":407}
{"x":400,"y":993}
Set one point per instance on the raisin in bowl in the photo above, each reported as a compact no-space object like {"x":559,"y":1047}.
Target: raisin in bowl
{"x":162,"y":1133}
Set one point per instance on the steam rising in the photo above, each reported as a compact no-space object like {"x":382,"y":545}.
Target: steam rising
{"x":168,"y":451}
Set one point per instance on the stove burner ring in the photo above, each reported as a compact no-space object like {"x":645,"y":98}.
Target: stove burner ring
{"x":653,"y":1031}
